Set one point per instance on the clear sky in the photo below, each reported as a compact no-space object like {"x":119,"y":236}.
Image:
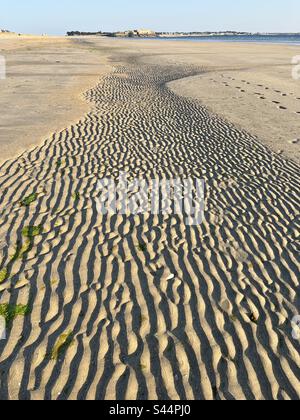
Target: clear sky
{"x":59,"y":16}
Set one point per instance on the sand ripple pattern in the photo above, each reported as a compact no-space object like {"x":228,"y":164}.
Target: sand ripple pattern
{"x":196,"y":312}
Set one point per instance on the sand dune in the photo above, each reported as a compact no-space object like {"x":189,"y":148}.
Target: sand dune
{"x":143,"y":306}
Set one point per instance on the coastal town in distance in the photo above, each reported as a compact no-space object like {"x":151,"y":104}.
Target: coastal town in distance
{"x":148,"y":33}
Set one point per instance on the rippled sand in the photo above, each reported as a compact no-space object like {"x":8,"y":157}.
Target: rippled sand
{"x":144,"y":306}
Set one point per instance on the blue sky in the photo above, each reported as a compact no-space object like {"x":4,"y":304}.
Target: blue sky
{"x":59,"y":16}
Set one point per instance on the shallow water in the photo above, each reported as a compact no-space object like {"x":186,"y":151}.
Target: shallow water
{"x":269,"y":39}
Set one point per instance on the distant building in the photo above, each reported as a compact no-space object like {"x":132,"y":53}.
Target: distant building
{"x":137,"y":33}
{"x":144,"y":32}
{"x":121,"y":34}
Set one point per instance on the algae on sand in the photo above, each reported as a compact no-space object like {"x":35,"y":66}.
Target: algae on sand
{"x":76,"y":196}
{"x":32,"y":231}
{"x":28,"y":200}
{"x":10,"y":312}
{"x":3,"y":275}
{"x":62,"y":344}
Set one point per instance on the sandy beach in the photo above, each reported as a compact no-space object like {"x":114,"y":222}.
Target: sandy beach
{"x":43,"y":92}
{"x":124,"y":306}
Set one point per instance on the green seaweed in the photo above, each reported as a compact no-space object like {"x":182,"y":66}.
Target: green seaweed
{"x":28,"y":200}
{"x":62,"y":344}
{"x":10,"y":312}
{"x":21,"y":250}
{"x":3,"y":275}
{"x":142,"y":247}
{"x":76,"y":196}
{"x":32,"y":231}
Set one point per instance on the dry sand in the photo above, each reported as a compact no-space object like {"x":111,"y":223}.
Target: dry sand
{"x":144,"y":306}
{"x":251,"y":86}
{"x":43,"y":91}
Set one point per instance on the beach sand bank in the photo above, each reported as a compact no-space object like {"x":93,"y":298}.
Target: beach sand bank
{"x":144,"y":306}
{"x":44,"y":87}
{"x":250,"y":85}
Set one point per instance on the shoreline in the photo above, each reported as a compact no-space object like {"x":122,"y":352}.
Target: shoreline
{"x":223,"y":40}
